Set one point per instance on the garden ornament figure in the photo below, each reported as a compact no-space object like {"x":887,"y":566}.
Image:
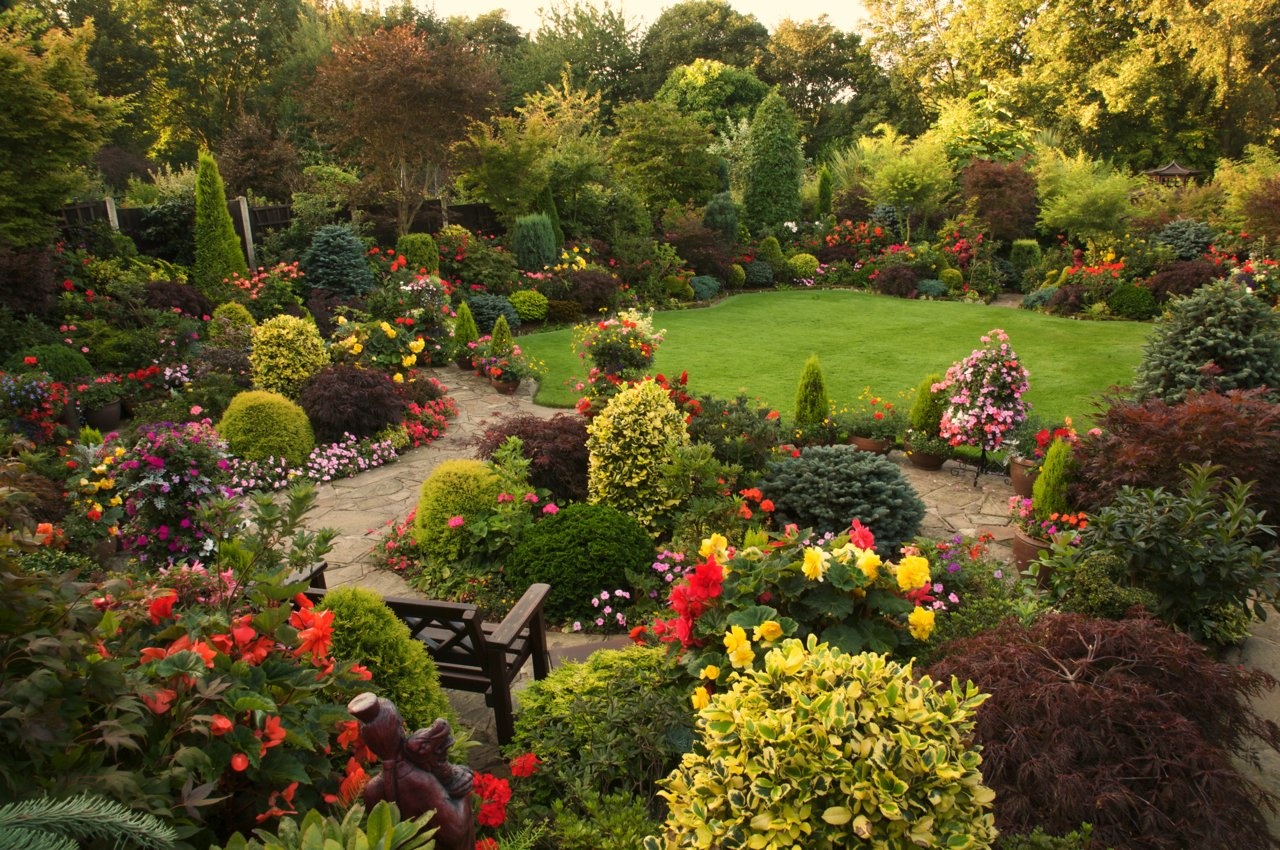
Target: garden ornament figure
{"x":416,"y":773}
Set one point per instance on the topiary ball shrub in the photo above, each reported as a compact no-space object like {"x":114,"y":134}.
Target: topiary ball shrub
{"x":572,"y":720}
{"x":258,"y":425}
{"x":1126,"y":725}
{"x":1024,"y":256}
{"x":530,"y":305}
{"x":1189,"y":240}
{"x":286,"y":351}
{"x":770,"y":251}
{"x":1222,"y":337}
{"x":704,"y":287}
{"x":579,"y":551}
{"x":342,"y":399}
{"x":898,"y":281}
{"x":60,"y":362}
{"x":784,"y":759}
{"x":230,"y":326}
{"x":674,"y":286}
{"x":533,"y":242}
{"x":737,"y":277}
{"x":486,"y":308}
{"x":802,"y":266}
{"x":827,"y":487}
{"x":556,"y":449}
{"x":757,"y":273}
{"x":169,"y":296}
{"x":420,"y":252}
{"x":455,"y":491}
{"x":367,"y":632}
{"x":628,"y":444}
{"x":336,"y":261}
{"x":1128,"y":301}
{"x":1182,"y":278}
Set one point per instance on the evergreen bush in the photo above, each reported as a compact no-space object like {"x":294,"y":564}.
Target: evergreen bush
{"x":1050,"y":493}
{"x":342,"y":399}
{"x":218,"y":251}
{"x":757,"y":273}
{"x":456,"y":488}
{"x":802,"y":267}
{"x":564,"y":312}
{"x":737,"y":276}
{"x":286,"y":351}
{"x":500,"y":340}
{"x":1039,"y":299}
{"x":420,"y":252}
{"x":464,"y":330}
{"x":530,"y":305}
{"x":628,"y":444}
{"x":927,"y":407}
{"x":827,"y":487}
{"x":61,"y":362}
{"x":674,"y":286}
{"x":579,"y":551}
{"x":954,"y":279}
{"x":1222,"y":337}
{"x":336,"y":261}
{"x":825,"y":192}
{"x":1129,"y":301}
{"x":258,"y":425}
{"x":547,"y":206}
{"x":1099,"y":587}
{"x":1188,"y":239}
{"x":721,"y":215}
{"x":812,"y":404}
{"x":367,"y":632}
{"x":533,"y":242}
{"x":704,"y":287}
{"x":774,"y":167}
{"x":1024,"y":256}
{"x":486,"y":308}
{"x":230,"y":326}
{"x":771,"y":252}
{"x":931,"y":288}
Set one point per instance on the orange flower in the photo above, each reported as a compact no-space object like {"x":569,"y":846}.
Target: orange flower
{"x":318,"y":634}
{"x":220,"y":725}
{"x":160,"y":701}
{"x":239,"y":762}
{"x":162,"y":607}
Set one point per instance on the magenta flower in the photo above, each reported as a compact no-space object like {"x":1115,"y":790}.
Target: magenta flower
{"x":550,"y":508}
{"x":456,"y":521}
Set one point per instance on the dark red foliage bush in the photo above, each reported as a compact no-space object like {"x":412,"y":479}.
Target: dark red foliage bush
{"x":1005,"y":193}
{"x":563,"y":312}
{"x":421,"y":389}
{"x":29,"y":285}
{"x":1262,"y":210}
{"x":849,"y":204}
{"x":1146,"y":444}
{"x":1127,"y":725}
{"x":555,"y":447}
{"x":898,"y":281}
{"x":1068,"y":300}
{"x":596,"y":291}
{"x":169,"y":296}
{"x":322,"y":304}
{"x":702,"y":248}
{"x":1182,"y":277}
{"x":345,"y":399}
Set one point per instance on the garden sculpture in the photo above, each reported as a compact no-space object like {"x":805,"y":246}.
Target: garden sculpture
{"x":416,"y":773}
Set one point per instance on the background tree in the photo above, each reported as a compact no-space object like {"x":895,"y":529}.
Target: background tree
{"x":712,"y":92}
{"x":52,"y":123}
{"x":256,"y":157}
{"x":662,"y":154}
{"x":774,"y":167}
{"x":218,"y":253}
{"x":396,"y":103}
{"x":698,"y":29}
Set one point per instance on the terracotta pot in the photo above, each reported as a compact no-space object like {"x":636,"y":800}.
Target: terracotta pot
{"x":505,"y":387}
{"x":1027,"y":550}
{"x":867,"y":444}
{"x":106,"y":417}
{"x":925,"y":460}
{"x":1023,"y":473}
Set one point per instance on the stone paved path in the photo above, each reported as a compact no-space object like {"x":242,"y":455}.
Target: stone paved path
{"x":360,"y":508}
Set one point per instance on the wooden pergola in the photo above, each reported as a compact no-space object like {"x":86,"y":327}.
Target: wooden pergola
{"x":1172,"y":172}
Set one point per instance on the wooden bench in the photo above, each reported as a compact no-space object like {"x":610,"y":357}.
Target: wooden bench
{"x":473,"y":655}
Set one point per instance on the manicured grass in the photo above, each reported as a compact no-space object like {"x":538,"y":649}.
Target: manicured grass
{"x":757,"y":344}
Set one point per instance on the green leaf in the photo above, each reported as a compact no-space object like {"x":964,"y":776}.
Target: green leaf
{"x":751,"y":617}
{"x":837,"y":815}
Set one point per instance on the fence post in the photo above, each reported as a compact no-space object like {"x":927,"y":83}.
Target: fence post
{"x":246,"y":227}
{"x":112,"y":219}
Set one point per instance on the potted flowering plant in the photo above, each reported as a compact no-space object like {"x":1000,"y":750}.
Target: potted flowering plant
{"x":100,"y":401}
{"x":875,"y":423}
{"x":32,"y":402}
{"x":624,"y":345}
{"x":1035,"y":532}
{"x":986,"y":394}
{"x":506,"y":371}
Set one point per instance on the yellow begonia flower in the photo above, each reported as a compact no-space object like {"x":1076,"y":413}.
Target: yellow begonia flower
{"x":769,"y":630}
{"x":845,"y":553}
{"x":342,"y":320}
{"x":357,"y":348}
{"x":716,"y":544}
{"x":869,"y":562}
{"x":711,"y":672}
{"x":398,"y":378}
{"x":913,"y":572}
{"x":920,"y":623}
{"x":738,"y":647}
{"x":700,"y":699}
{"x":417,"y":345}
{"x":816,"y":562}
{"x":408,"y":360}
{"x":116,"y":502}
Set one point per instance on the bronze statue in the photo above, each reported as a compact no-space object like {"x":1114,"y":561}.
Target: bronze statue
{"x":416,"y":773}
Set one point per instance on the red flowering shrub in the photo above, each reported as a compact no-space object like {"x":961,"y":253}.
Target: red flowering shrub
{"x":1126,"y":725}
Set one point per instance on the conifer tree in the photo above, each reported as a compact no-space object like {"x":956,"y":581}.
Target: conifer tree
{"x":218,"y":253}
{"x":812,"y":405}
{"x":774,"y":166}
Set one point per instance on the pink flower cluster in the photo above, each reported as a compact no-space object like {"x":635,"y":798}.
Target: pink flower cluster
{"x":986,"y":395}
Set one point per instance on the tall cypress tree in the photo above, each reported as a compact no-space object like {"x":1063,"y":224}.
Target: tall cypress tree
{"x":774,"y":166}
{"x":218,"y":253}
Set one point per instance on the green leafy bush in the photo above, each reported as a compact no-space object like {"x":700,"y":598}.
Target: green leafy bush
{"x":721,"y":215}
{"x":1129,"y":301}
{"x":1099,"y":587}
{"x":1024,"y":256}
{"x":341,"y":399}
{"x":1188,"y":239}
{"x":486,"y":308}
{"x":757,"y":273}
{"x":368,"y":633}
{"x":954,"y":279}
{"x":802,"y":266}
{"x":533,"y":242}
{"x":464,"y":330}
{"x":455,"y":489}
{"x":739,"y":432}
{"x":578,"y":551}
{"x":258,"y":425}
{"x":530,"y":305}
{"x":771,"y":252}
{"x":420,"y":252}
{"x":286,"y":351}
{"x":827,"y":487}
{"x":1038,"y":839}
{"x":60,"y":362}
{"x":737,"y":276}
{"x":383,"y":828}
{"x":616,"y":821}
{"x":1221,"y":337}
{"x":1202,"y":550}
{"x":812,"y":404}
{"x":629,"y":441}
{"x":230,"y":326}
{"x":781,"y":762}
{"x":617,"y":722}
{"x":336,"y":261}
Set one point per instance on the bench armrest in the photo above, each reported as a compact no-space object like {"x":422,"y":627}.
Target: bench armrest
{"x":527,"y":610}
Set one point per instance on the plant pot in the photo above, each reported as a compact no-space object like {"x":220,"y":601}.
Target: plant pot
{"x":1026,"y":551}
{"x":463,"y":362}
{"x":105,"y":417}
{"x":925,"y":460}
{"x":1023,"y":473}
{"x":505,"y":387}
{"x":71,"y":416}
{"x":868,"y":444}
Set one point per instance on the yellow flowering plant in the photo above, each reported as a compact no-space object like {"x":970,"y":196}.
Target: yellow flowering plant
{"x":390,"y":347}
{"x":736,"y":604}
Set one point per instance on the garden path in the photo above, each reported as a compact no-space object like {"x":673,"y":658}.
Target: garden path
{"x":361,"y":509}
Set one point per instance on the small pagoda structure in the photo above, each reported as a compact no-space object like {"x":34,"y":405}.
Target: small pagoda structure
{"x":1172,"y":172}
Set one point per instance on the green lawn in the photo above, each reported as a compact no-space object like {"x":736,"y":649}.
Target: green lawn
{"x":757,"y":344}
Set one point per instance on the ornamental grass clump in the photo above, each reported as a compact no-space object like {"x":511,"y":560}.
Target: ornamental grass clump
{"x":820,"y":749}
{"x":985,"y":395}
